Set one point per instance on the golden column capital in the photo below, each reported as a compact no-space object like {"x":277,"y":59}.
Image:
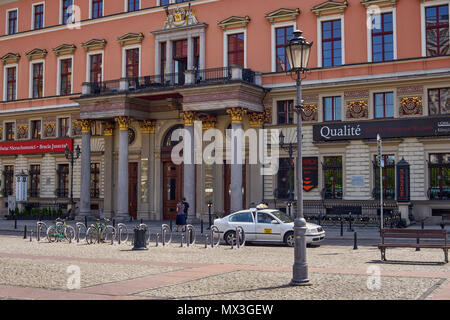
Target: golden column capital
{"x":85,"y":125}
{"x":108,"y":128}
{"x":148,"y":126}
{"x":256,"y":119}
{"x":124,"y":123}
{"x":208,"y":121}
{"x":236,"y":114}
{"x":188,"y":117}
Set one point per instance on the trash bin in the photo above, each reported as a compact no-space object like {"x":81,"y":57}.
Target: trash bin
{"x":139,"y":239}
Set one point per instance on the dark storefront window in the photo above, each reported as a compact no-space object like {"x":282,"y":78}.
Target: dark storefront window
{"x":332,"y":173}
{"x":95,"y":180}
{"x":285,"y":179}
{"x":388,"y":177}
{"x":62,"y":190}
{"x":35,"y":181}
{"x":439,"y":169}
{"x":8,"y":178}
{"x":285,"y":113}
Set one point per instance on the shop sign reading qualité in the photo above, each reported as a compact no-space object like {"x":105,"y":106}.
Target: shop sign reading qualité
{"x":41,"y":146}
{"x":419,"y":127}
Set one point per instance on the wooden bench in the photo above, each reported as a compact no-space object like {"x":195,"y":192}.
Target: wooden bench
{"x":413,"y":234}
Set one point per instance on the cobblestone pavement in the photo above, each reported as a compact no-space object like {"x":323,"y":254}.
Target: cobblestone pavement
{"x":39,"y":270}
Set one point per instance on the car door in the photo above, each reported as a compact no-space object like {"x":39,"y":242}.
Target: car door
{"x":265,"y":229}
{"x":246,"y":221}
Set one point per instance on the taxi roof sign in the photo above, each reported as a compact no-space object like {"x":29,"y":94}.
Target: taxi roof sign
{"x":262,"y":206}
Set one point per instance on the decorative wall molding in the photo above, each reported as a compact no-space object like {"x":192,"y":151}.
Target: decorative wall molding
{"x":36,"y":54}
{"x":130,"y":38}
{"x":330,"y":7}
{"x":10,"y":58}
{"x":282,"y":14}
{"x":64,"y":49}
{"x":357,"y":109}
{"x":410,"y":106}
{"x":94,"y":44}
{"x":234,"y":22}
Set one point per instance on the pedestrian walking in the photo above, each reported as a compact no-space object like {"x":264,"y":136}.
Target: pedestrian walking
{"x":181,"y":217}
{"x":186,"y":208}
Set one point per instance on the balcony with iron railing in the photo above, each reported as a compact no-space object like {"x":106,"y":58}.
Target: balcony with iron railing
{"x":169,"y":81}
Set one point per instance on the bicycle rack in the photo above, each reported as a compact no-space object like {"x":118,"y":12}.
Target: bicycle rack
{"x":121,"y":226}
{"x":79,"y":226}
{"x":40,"y":225}
{"x":164,"y":229}
{"x":214,"y":230}
{"x":190,"y":235}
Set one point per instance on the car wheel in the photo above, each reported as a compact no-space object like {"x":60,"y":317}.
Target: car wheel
{"x":230,"y":237}
{"x":289,"y":239}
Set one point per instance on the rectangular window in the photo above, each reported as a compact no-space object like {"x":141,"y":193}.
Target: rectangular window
{"x":164,"y":2}
{"x":38,"y":16}
{"x":439,"y":170}
{"x":96,"y":66}
{"x":285,"y":179}
{"x":36,"y":129}
{"x":437,"y":32}
{"x":34,"y":176}
{"x":383,"y":37}
{"x":180,"y":57}
{"x":38,"y":80}
{"x":62,"y":190}
{"x":133,"y":5}
{"x":384,"y":105}
{"x":66,"y":11}
{"x":132,"y":63}
{"x":64,"y":127}
{"x":388,"y":164}
{"x":285,"y":112}
{"x":331,"y":43}
{"x":9,"y":131}
{"x":236,"y":49}
{"x":11,"y":84}
{"x":439,"y":101}
{"x":12,"y":22}
{"x":8,"y":178}
{"x":97,"y":9}
{"x":95,"y":180}
{"x":332,"y":173}
{"x":66,"y":77}
{"x":283,"y":35}
{"x":332,"y":109}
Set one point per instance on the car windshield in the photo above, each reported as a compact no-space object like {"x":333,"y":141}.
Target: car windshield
{"x":282,"y":216}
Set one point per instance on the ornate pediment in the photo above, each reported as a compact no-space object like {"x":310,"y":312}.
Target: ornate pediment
{"x":282,"y":15}
{"x":180,"y":17}
{"x":330,"y":7}
{"x":94,"y":44}
{"x":234,"y":22}
{"x":36,"y":54}
{"x":64,"y":49}
{"x":10,"y":58}
{"x":131,"y":38}
{"x":380,"y":3}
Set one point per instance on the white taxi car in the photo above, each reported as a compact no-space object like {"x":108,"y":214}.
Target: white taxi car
{"x":263,"y":224}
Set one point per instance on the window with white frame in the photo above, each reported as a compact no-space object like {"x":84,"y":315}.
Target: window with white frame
{"x":65,"y":65}
{"x":382,"y":35}
{"x":10,"y":82}
{"x":37,"y":21}
{"x":132,"y":5}
{"x":12,"y":21}
{"x":331,"y":51}
{"x":435,"y":28}
{"x":95,"y":67}
{"x":96,"y":9}
{"x":235,"y":53}
{"x":66,"y":11}
{"x":131,"y":62}
{"x":281,"y":34}
{"x":37,"y":79}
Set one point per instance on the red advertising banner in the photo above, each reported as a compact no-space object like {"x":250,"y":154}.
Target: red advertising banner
{"x":36,"y":146}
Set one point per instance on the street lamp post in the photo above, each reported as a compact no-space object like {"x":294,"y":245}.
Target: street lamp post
{"x":298,"y":51}
{"x":72,"y":156}
{"x":381,"y":163}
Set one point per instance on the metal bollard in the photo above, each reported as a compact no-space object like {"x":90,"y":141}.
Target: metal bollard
{"x":238,"y":233}
{"x":206,"y":241}
{"x":182,"y":240}
{"x":157,"y":238}
{"x":342,"y":228}
{"x":15,"y":222}
{"x":355,"y":241}
{"x":170,"y":225}
{"x":418,"y":249}
{"x":31,"y":235}
{"x":120,"y":235}
{"x":201,"y":226}
{"x":85,"y":221}
{"x":78,"y":234}
{"x":25,"y":232}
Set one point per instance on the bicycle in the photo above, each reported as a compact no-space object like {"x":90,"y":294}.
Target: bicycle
{"x":59,"y":231}
{"x":100,"y":232}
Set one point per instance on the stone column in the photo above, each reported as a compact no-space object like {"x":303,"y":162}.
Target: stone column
{"x":202,"y":51}
{"x":190,"y":52}
{"x":189,"y":186}
{"x":256,"y":178}
{"x":122,"y":181}
{"x":147,"y":169}
{"x":85,"y":192}
{"x":108,"y":196}
{"x":169,"y":56}
{"x":237,"y":159}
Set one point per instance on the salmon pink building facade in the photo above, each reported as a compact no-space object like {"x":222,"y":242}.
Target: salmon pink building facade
{"x":118,"y":78}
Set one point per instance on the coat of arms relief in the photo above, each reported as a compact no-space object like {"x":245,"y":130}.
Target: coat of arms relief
{"x":180,"y":18}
